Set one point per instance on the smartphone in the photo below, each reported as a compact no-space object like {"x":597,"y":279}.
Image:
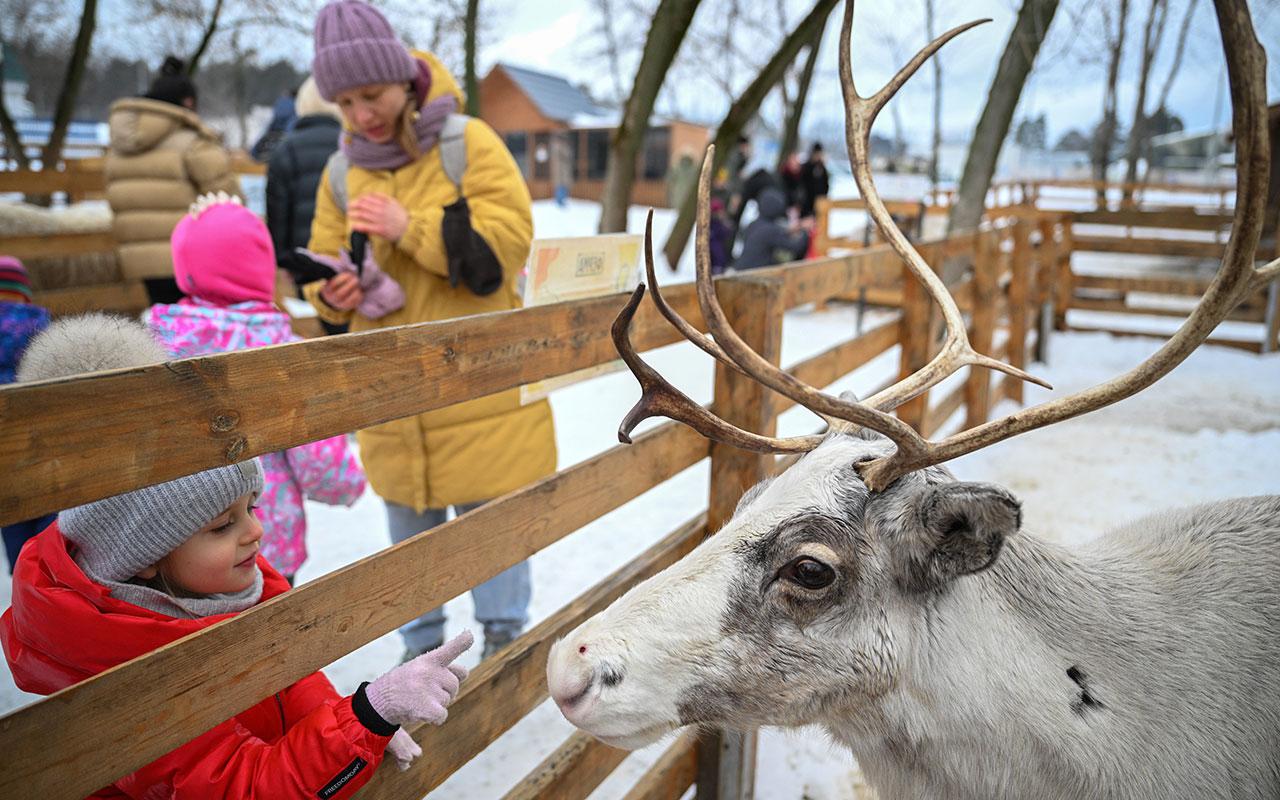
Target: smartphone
{"x":359,"y":241}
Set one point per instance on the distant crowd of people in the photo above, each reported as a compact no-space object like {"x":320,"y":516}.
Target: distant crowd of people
{"x":783,"y":202}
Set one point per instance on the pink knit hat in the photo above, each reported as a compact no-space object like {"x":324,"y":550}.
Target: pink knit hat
{"x":222,"y":253}
{"x":355,"y":46}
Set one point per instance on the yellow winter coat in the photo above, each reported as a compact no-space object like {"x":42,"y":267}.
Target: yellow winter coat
{"x":482,"y":448}
{"x":161,"y":158}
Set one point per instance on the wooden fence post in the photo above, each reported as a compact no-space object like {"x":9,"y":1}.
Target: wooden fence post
{"x":1019,"y":300}
{"x":917,"y":338}
{"x":1042,"y":291}
{"x":977,"y":387}
{"x":1064,"y":280}
{"x":821,"y":219}
{"x":754,"y":307}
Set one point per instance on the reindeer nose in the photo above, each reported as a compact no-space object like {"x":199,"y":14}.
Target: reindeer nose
{"x":570,"y":673}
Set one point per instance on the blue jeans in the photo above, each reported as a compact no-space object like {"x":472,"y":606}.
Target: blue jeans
{"x":17,"y":534}
{"x":502,"y":602}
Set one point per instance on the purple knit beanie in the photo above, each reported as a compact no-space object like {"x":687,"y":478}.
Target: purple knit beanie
{"x":355,"y":46}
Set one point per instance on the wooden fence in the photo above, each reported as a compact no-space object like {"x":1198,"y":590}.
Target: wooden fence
{"x":75,"y":440}
{"x":1173,"y":232}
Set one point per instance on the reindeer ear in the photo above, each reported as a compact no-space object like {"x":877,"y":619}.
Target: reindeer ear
{"x":965,"y":525}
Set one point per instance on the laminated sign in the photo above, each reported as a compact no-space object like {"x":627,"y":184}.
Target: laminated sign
{"x":573,"y":269}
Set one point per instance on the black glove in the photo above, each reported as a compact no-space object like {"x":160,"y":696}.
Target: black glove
{"x":470,"y":258}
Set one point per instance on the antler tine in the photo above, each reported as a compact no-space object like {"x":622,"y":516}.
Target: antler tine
{"x":659,"y":398}
{"x":761,"y":369}
{"x":860,"y":112}
{"x":703,"y":341}
{"x":1246,"y":71}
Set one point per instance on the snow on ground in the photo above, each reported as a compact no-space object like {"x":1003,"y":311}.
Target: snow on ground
{"x":1209,"y":430}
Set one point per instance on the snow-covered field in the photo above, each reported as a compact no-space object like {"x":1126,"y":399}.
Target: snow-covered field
{"x":1209,"y":430}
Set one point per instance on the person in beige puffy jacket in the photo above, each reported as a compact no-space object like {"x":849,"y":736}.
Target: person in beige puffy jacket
{"x":161,"y":158}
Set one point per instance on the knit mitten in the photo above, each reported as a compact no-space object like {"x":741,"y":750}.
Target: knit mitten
{"x":422,"y":689}
{"x":403,"y":749}
{"x":382,"y":294}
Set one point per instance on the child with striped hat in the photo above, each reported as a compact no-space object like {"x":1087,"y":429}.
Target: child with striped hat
{"x":20,"y":320}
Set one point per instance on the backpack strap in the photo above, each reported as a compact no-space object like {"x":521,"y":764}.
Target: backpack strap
{"x":453,"y":148}
{"x":453,"y":156}
{"x":337,"y":166}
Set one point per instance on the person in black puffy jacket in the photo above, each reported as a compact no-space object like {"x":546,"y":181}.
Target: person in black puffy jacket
{"x":293,"y":176}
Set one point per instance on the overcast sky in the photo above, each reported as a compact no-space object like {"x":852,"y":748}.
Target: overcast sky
{"x":1067,"y":85}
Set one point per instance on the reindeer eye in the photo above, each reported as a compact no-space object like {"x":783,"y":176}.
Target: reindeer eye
{"x":809,"y":573}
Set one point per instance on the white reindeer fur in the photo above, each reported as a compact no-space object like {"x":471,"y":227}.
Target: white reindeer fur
{"x":1172,"y":623}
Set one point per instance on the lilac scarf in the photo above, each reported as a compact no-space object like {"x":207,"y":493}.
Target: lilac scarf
{"x":390,"y":155}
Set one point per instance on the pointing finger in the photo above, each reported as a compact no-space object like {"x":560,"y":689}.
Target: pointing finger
{"x":455,"y":647}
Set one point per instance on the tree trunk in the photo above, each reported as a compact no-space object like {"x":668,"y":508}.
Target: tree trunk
{"x":741,"y":112}
{"x":52,"y":152}
{"x":472,"y":83}
{"x":1002,"y":98}
{"x":1136,"y":145}
{"x":1174,"y":66}
{"x":12,"y":142}
{"x":670,"y":23}
{"x":193,"y":63}
{"x":929,"y":20}
{"x":791,"y":133}
{"x":1106,"y":132}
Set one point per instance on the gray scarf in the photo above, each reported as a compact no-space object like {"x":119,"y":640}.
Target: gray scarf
{"x":180,"y":607}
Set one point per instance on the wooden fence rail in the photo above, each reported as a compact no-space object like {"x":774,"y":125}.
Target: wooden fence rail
{"x":71,"y":441}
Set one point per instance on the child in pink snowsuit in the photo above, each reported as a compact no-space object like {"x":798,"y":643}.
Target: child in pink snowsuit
{"x":224,"y":262}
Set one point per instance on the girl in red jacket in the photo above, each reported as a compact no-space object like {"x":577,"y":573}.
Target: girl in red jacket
{"x":120,"y":577}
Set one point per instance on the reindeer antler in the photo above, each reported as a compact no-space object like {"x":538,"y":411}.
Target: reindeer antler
{"x":1246,"y":68}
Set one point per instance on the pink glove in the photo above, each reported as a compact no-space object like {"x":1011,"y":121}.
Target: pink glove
{"x":382,"y":295}
{"x":403,"y":749}
{"x":422,"y":689}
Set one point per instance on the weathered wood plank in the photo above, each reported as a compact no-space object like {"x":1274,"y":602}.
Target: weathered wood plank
{"x":1149,"y":246}
{"x":55,"y":747}
{"x":124,"y":298}
{"x":830,"y":365}
{"x":57,"y":244}
{"x":1119,"y":305}
{"x":1239,"y":344}
{"x":572,"y":772}
{"x":506,"y":687}
{"x":940,"y":413}
{"x":977,"y":387}
{"x":71,"y":441}
{"x":1165,"y":218}
{"x":672,"y":774}
{"x":1019,"y":299}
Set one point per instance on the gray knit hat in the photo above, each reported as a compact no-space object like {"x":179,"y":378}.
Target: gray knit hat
{"x":120,"y":536}
{"x":355,"y":46}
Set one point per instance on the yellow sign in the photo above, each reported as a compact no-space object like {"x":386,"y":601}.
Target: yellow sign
{"x":573,"y":269}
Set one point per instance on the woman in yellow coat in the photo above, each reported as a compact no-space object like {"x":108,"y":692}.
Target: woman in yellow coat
{"x":454,"y":250}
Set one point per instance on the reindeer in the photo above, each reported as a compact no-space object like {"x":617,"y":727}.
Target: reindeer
{"x":867,"y":590}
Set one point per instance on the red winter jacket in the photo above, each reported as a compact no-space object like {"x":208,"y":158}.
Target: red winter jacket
{"x":302,"y":742}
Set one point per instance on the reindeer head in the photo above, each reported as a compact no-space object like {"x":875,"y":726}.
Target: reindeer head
{"x":811,"y":597}
{"x":803,"y":606}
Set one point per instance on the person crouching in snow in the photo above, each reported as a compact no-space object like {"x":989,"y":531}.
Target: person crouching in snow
{"x":117,"y":578}
{"x":225,"y":264}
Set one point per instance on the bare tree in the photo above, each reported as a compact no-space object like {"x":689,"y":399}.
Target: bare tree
{"x":1105,"y":134}
{"x":1136,"y":145}
{"x":12,"y":141}
{"x":471,"y":81}
{"x":795,"y":106}
{"x":1175,"y":65}
{"x":1029,"y":31}
{"x":193,"y":62}
{"x":670,"y":22}
{"x":52,"y":152}
{"x":930,"y":24}
{"x":611,"y":47}
{"x":742,"y":110}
